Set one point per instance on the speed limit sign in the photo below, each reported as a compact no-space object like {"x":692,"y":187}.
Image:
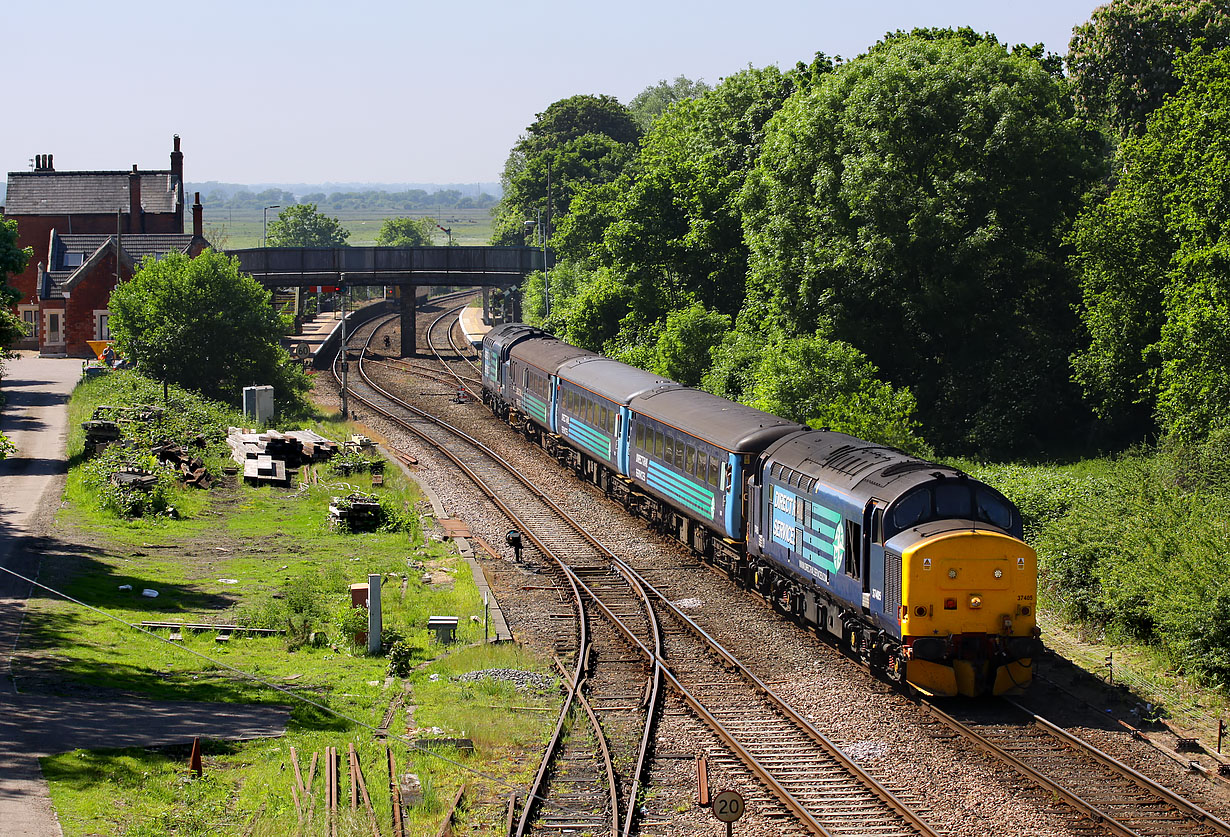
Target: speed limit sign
{"x":728,"y":806}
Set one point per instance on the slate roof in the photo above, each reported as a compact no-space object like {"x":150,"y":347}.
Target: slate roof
{"x":62,"y":277}
{"x":88,"y":192}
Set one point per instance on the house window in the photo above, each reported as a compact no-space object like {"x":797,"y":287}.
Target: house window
{"x":102,"y":325}
{"x":29,"y":316}
{"x":52,"y":320}
{"x":73,"y":260}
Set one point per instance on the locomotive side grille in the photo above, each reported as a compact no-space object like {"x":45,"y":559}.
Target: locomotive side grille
{"x":892,"y":583}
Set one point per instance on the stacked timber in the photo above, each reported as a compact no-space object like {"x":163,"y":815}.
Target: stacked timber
{"x":273,"y":456}
{"x":315,"y":446}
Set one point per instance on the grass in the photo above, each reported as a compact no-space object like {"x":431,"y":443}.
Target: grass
{"x":264,"y":556}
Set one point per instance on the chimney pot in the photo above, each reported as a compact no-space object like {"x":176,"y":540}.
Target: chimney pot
{"x":50,"y":166}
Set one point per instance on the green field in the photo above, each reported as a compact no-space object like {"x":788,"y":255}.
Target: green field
{"x":241,"y":228}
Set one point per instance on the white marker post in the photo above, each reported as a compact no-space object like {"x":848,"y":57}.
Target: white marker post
{"x":373,"y":614}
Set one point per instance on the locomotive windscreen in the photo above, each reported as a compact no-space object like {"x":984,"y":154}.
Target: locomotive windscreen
{"x":963,"y":500}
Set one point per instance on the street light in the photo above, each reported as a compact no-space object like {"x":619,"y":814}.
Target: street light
{"x":265,"y":227}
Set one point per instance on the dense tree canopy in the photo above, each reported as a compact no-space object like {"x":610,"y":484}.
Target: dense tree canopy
{"x":912,"y":203}
{"x":406,"y":232}
{"x":654,"y":100}
{"x":670,"y":225}
{"x":575,"y":143}
{"x":303,"y":225}
{"x":1154,"y":265}
{"x":1122,"y":59}
{"x":202,"y":324}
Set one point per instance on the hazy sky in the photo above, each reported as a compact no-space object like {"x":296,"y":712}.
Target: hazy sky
{"x":306,"y":91}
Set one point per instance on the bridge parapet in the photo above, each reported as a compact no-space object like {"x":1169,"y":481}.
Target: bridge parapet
{"x":389,"y":265}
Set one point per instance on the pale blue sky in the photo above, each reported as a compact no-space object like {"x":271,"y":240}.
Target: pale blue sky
{"x":308,"y":91}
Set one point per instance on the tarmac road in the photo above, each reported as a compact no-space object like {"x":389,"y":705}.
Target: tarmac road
{"x":35,"y":417}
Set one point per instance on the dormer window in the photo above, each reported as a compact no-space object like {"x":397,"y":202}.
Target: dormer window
{"x":73,"y":259}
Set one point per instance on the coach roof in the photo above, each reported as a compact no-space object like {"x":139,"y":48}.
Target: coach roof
{"x":611,"y":379}
{"x":547,"y":353}
{"x":735,"y":427}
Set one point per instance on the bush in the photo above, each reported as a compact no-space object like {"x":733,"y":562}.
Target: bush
{"x":125,"y":501}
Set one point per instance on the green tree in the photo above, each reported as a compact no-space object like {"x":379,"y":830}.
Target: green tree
{"x":688,"y":336}
{"x":654,"y":100}
{"x":911,"y":203}
{"x":406,"y":232}
{"x":202,"y":324}
{"x":671,"y":224}
{"x":579,"y":141}
{"x":1154,"y":267}
{"x":1122,"y":60}
{"x":13,"y":260}
{"x":302,"y":225}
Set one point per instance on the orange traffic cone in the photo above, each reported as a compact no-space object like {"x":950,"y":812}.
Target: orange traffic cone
{"x":194,"y":760}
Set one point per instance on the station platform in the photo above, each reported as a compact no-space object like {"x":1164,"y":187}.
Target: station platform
{"x":472,"y":324}
{"x":314,"y":333}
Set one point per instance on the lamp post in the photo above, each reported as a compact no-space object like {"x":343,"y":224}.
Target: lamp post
{"x":344,"y":289}
{"x":265,"y":226}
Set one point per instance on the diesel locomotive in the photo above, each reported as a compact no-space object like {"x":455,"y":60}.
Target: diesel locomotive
{"x":915,"y":568}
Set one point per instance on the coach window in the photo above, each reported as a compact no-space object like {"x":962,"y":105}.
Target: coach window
{"x":714,"y":471}
{"x":690,"y":462}
{"x":657,"y":443}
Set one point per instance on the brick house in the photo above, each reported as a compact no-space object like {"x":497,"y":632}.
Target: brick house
{"x":78,"y":223}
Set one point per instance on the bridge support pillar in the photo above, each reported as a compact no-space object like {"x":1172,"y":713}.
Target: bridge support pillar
{"x":486,"y":305}
{"x":409,"y":337}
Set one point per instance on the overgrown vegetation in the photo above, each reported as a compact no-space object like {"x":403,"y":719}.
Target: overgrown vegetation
{"x":269,"y":560}
{"x":185,"y":418}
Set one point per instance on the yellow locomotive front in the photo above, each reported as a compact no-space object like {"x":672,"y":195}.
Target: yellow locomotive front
{"x":967,"y":610}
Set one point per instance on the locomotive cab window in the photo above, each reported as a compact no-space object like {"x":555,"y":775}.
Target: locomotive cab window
{"x":950,"y":500}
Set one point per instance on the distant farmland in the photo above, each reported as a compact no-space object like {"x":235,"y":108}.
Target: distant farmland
{"x":235,"y":229}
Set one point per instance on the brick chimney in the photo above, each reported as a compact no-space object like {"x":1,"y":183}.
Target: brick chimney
{"x":135,"y":220}
{"x":177,"y":174}
{"x":198,"y":220}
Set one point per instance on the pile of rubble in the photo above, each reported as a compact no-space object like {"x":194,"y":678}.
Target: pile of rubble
{"x":272,"y":456}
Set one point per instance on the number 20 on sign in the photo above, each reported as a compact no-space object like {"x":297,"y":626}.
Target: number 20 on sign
{"x":728,"y":807}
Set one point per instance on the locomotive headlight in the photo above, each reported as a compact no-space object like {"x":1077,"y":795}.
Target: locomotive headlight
{"x":952,"y":573}
{"x":975,"y":601}
{"x":999,"y":573}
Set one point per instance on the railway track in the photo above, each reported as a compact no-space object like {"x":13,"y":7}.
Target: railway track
{"x":1117,"y":798}
{"x":578,"y":775}
{"x":804,"y":773}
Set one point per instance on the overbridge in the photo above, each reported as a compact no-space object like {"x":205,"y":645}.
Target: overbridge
{"x":404,"y":268}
